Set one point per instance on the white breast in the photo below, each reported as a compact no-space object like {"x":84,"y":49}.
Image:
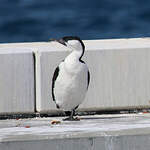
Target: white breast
{"x":71,"y":85}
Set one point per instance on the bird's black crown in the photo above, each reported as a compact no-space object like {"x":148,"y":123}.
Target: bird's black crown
{"x":67,"y":38}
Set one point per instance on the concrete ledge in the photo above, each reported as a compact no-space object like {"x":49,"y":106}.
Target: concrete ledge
{"x":16,"y":81}
{"x":120,"y":73}
{"x":119,"y":132}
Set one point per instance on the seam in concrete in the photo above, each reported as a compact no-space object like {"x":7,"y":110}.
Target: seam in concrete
{"x":34,"y":61}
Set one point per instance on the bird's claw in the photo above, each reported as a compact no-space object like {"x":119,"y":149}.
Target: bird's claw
{"x":71,"y":119}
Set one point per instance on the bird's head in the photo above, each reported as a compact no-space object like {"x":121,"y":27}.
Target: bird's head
{"x":72,"y":42}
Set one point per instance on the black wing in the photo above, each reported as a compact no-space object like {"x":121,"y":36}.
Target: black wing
{"x":56,"y":72}
{"x":88,"y":79}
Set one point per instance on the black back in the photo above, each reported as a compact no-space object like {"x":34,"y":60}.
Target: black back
{"x":88,"y":79}
{"x":87,"y":73}
{"x":56,"y":72}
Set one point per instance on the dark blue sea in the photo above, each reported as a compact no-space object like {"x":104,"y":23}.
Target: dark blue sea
{"x":39,"y":20}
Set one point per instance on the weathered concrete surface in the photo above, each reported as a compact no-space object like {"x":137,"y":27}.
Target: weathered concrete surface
{"x":16,"y":80}
{"x":105,"y":132}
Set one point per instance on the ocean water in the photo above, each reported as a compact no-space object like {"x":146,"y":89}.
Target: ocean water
{"x":39,"y":20}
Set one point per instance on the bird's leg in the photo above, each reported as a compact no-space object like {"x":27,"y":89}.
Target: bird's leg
{"x":72,"y":114}
{"x":71,"y":118}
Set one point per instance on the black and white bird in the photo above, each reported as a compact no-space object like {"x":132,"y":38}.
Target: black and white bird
{"x":71,"y":77}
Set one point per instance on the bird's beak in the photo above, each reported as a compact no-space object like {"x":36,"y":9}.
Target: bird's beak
{"x":61,"y":41}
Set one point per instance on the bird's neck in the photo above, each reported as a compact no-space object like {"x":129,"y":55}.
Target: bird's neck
{"x":72,"y":61}
{"x":74,"y":56}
